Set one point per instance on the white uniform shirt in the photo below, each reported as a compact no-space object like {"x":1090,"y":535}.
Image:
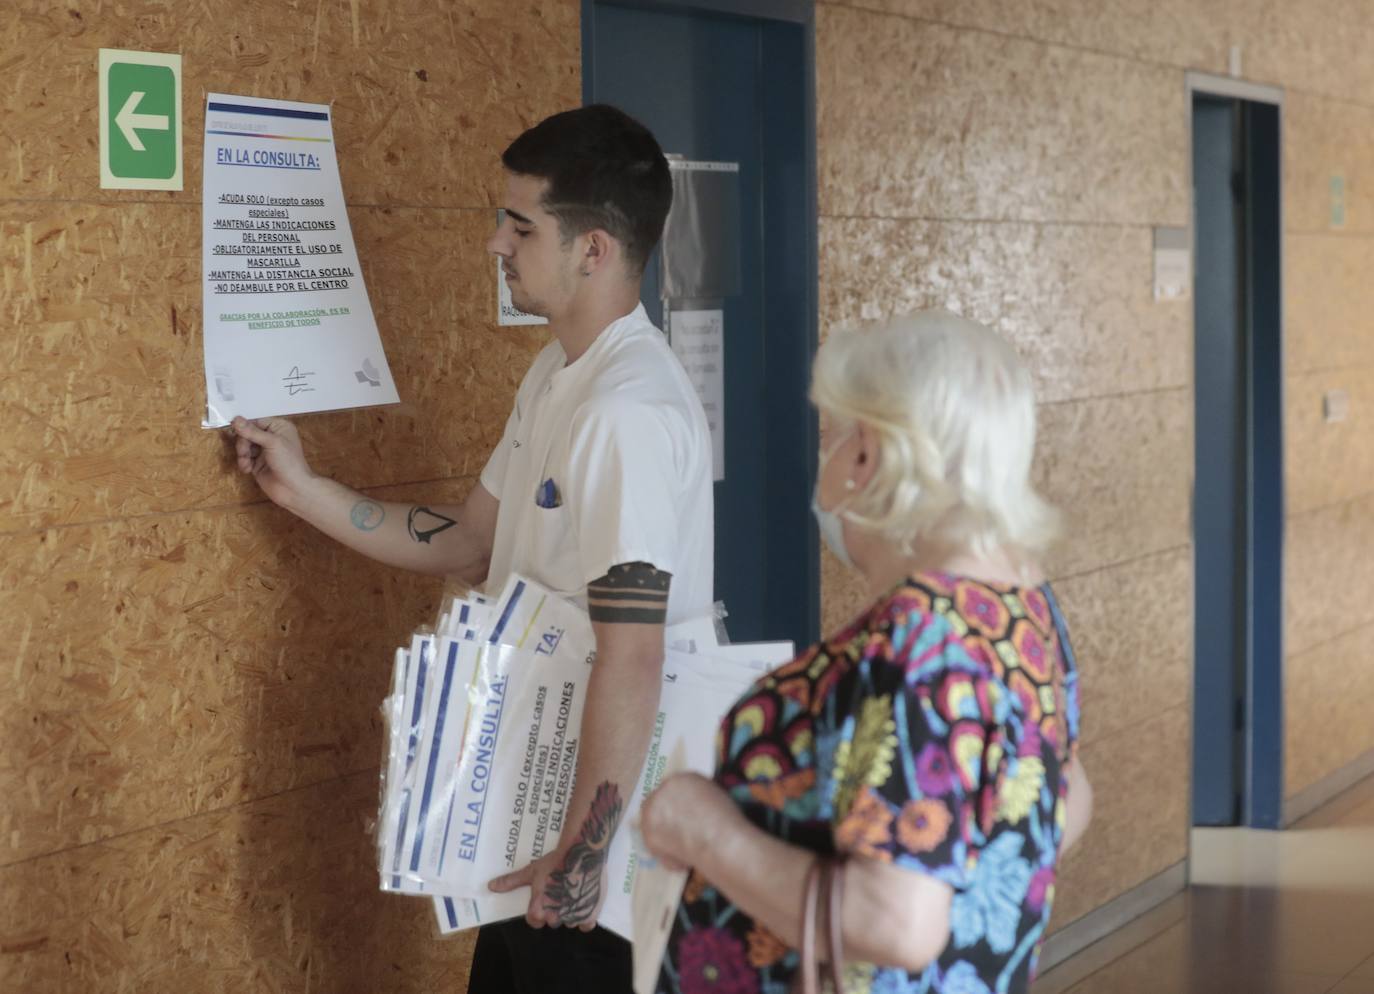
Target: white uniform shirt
{"x":606,"y":461}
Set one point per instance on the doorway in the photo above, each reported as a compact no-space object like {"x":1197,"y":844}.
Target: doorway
{"x":1238,"y":453}
{"x":730,"y":84}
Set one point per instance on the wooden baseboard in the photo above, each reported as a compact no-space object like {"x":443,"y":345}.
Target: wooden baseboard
{"x":1309,"y":799}
{"x":1109,"y":921}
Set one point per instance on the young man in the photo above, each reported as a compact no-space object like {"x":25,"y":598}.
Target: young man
{"x":600,"y":489}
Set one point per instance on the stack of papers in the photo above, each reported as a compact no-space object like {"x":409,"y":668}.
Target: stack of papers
{"x":483,"y":725}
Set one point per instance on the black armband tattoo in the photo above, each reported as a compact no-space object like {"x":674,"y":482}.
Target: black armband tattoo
{"x":631,"y":593}
{"x":423,"y":524}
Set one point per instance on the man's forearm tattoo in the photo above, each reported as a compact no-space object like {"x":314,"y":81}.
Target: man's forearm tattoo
{"x":367,"y":515}
{"x":573,"y":891}
{"x":423,"y":524}
{"x":631,"y":593}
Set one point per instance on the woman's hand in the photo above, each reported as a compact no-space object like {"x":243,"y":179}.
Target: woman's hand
{"x":679,"y":819}
{"x":893,"y":916}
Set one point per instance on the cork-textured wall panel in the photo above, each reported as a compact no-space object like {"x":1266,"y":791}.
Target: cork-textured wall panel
{"x":425,"y":96}
{"x":1063,"y":295}
{"x":1017,"y":182}
{"x":1173,"y":32}
{"x":1330,"y":688}
{"x":1070,"y":117}
{"x":1329,"y":346}
{"x":1316,"y":46}
{"x":1328,"y":302}
{"x":1328,"y":461}
{"x":920,"y":120}
{"x":1120,"y":469}
{"x":1133,"y":624}
{"x":1324,"y":139}
{"x":843,"y":594}
{"x":1328,"y":573}
{"x":190,"y":713}
{"x":107,"y":384}
{"x":135,"y":689}
{"x":277,"y":895}
{"x":1140,"y":814}
{"x":1327,"y":620}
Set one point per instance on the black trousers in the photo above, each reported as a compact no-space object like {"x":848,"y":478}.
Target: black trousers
{"x":513,"y":958}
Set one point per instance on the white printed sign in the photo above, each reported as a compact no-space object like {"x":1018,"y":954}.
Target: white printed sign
{"x":506,"y":311}
{"x":698,"y":338}
{"x":654,"y":900}
{"x":484,"y":744}
{"x":288,"y":325}
{"x":1173,"y":263}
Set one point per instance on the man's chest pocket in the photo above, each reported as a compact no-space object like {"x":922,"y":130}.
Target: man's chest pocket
{"x":553,"y":541}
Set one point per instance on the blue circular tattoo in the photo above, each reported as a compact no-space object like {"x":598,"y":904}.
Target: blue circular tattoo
{"x":368,"y":515}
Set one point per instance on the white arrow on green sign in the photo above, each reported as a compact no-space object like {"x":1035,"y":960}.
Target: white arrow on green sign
{"x":129,"y":121}
{"x":140,"y":120}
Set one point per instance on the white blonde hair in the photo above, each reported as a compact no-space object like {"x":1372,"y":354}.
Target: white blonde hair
{"x":953,"y":409}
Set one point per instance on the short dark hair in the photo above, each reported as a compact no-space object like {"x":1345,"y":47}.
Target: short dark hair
{"x":605,"y":170}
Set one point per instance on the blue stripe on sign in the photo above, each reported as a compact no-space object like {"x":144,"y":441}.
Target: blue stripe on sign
{"x":425,"y":647}
{"x":448,"y":825}
{"x":505,"y":615}
{"x":398,"y":855}
{"x":300,"y":115}
{"x":452,"y":913}
{"x":482,"y":814}
{"x":421,"y":668}
{"x":433,"y":757}
{"x":259,"y":165}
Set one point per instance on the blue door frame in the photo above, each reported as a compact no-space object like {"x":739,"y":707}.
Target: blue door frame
{"x":1238,"y":497}
{"x":671,"y":71}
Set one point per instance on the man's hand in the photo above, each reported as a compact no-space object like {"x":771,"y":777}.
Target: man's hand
{"x":568,"y":885}
{"x":543,"y":909}
{"x":439,"y":539}
{"x":270,"y":449}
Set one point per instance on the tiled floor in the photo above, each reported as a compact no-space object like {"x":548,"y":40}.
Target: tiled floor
{"x":1268,"y":913}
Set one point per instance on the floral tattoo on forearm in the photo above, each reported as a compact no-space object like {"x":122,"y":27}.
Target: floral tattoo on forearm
{"x":573,"y":892}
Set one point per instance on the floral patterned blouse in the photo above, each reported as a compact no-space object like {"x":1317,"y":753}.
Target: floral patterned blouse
{"x":933,"y":733}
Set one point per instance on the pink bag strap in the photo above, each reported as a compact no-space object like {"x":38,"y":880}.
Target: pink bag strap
{"x":835,"y":919}
{"x":824,"y":885}
{"x":810,"y":899}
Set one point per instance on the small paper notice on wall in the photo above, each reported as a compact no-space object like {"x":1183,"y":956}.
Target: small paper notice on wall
{"x":506,"y":311}
{"x":698,"y":338}
{"x":1173,"y":264}
{"x":700,"y":255}
{"x":288,"y":325}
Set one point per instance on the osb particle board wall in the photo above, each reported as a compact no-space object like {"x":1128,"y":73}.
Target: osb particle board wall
{"x":188,"y":717}
{"x":1008,"y":160}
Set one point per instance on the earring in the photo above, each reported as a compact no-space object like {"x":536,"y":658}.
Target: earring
{"x":849,"y":484}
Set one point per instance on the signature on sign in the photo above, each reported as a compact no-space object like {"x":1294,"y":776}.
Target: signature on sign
{"x":297,"y":382}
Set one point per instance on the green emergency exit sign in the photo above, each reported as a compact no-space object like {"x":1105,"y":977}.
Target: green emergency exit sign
{"x":140,"y":120}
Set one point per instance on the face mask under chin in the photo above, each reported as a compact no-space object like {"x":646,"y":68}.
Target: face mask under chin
{"x":829,"y":522}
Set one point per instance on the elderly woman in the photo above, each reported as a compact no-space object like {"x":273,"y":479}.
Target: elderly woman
{"x":929,"y":743}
